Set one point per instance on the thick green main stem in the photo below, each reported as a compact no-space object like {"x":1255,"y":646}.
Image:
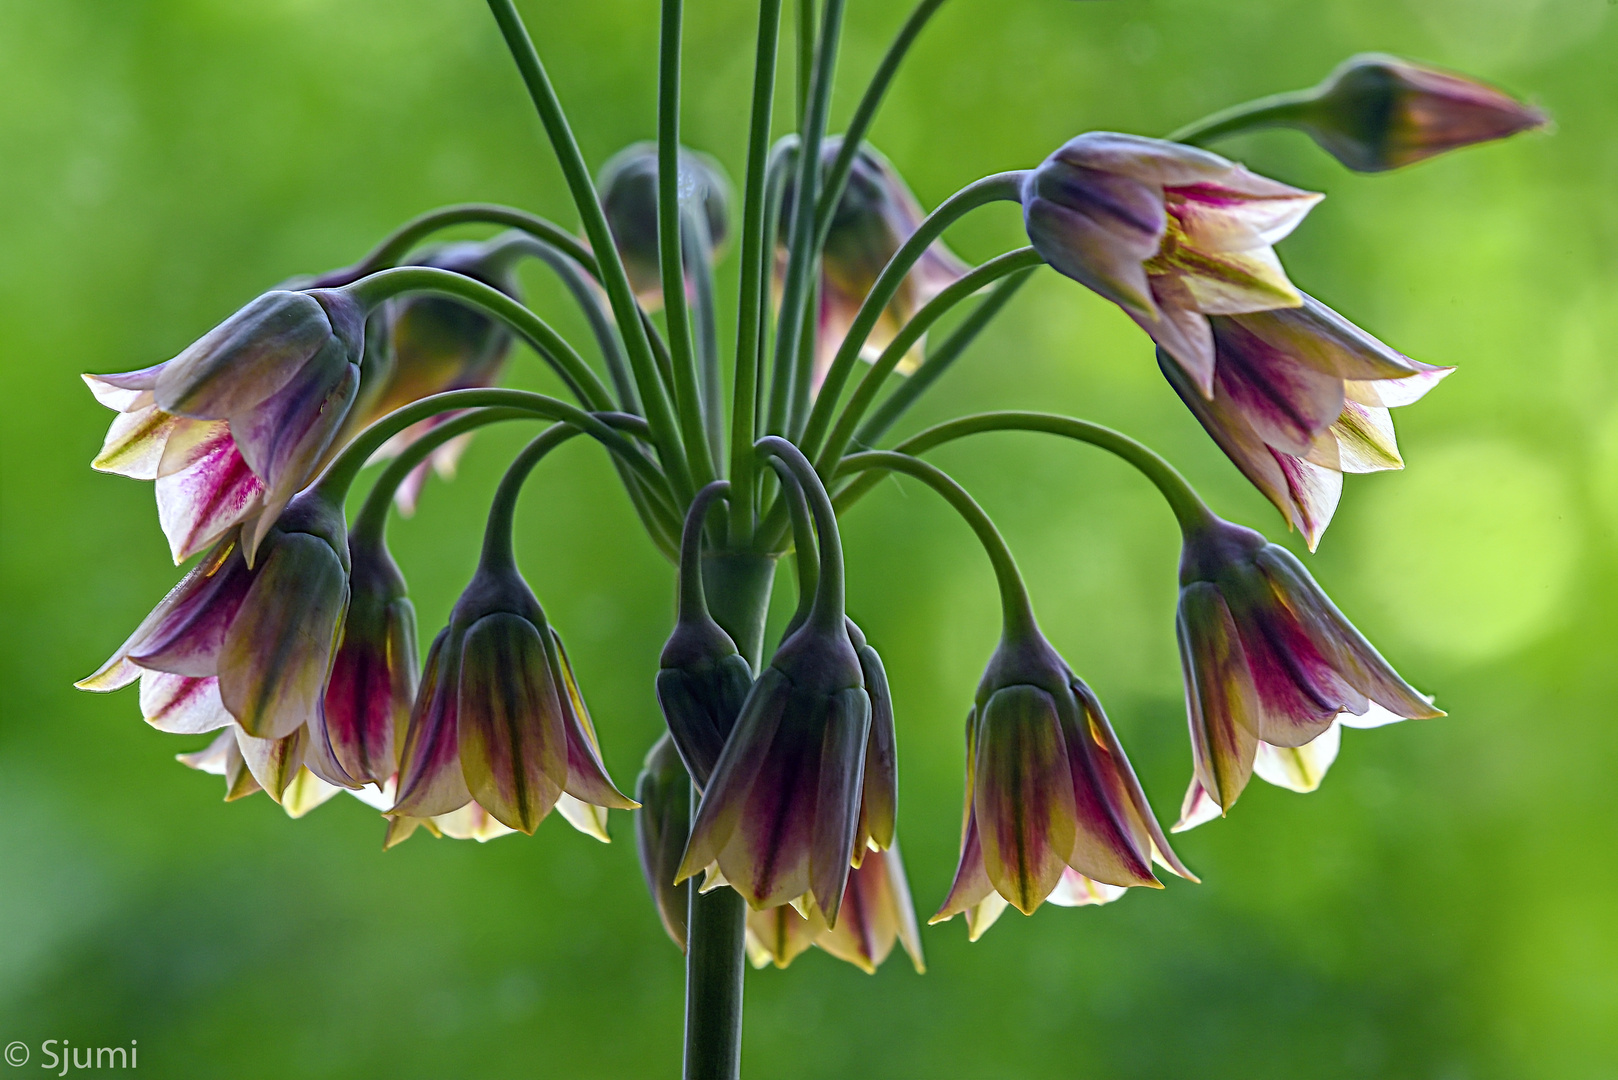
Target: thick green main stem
{"x":625,"y":309}
{"x":755,"y":258}
{"x":736,"y":586}
{"x":1016,"y":610}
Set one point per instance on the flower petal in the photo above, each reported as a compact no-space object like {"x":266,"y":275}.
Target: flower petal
{"x":1221,"y":700}
{"x":182,"y":704}
{"x":1023,"y":795}
{"x":431,"y":782}
{"x":1299,"y":768}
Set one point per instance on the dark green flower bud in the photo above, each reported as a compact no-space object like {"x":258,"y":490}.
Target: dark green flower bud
{"x":662,"y":825}
{"x":628,"y":187}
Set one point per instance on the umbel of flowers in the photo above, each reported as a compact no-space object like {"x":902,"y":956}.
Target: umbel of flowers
{"x":766,"y":816}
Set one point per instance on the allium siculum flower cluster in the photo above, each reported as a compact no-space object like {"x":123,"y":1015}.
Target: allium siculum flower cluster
{"x":292,"y":640}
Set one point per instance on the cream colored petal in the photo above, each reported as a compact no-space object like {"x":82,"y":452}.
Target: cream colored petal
{"x":306,"y":792}
{"x":588,"y":818}
{"x":1236,"y":282}
{"x":1198,"y":807}
{"x":1299,"y":768}
{"x":135,"y":443}
{"x":1392,"y":393}
{"x":1076,"y":890}
{"x":1365,"y":440}
{"x":983,"y":914}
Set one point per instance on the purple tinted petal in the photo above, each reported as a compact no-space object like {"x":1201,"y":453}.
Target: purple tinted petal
{"x":971,"y":882}
{"x":1285,"y":403}
{"x":1110,"y":840}
{"x":430,"y":777}
{"x":212,"y":494}
{"x":273,"y":762}
{"x":245,"y":359}
{"x":1023,"y":795}
{"x":126,"y":391}
{"x":181,"y":704}
{"x":745,"y":752}
{"x":847,"y":727}
{"x":188,"y":639}
{"x":276,"y":655}
{"x":587,"y":778}
{"x":1221,"y":700}
{"x":513,"y":750}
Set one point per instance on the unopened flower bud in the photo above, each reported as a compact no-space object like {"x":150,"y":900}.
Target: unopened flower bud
{"x":662,"y":825}
{"x":1378,"y":112}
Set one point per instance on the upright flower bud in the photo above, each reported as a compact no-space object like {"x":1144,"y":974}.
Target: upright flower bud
{"x":1169,"y":233}
{"x":1378,"y":112}
{"x":875,"y":216}
{"x":628,"y":187}
{"x":1300,"y":397}
{"x":236,"y":424}
{"x":1268,"y":659}
{"x":261,"y":638}
{"x":1049,"y":789}
{"x":662,"y":825}
{"x":780,"y":812}
{"x":374,"y":672}
{"x":702,"y":680}
{"x":498,"y":716}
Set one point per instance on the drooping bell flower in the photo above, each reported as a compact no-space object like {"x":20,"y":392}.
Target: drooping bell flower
{"x":1268,"y":659}
{"x":374,"y":673}
{"x":628,"y":188}
{"x":498,"y":716}
{"x":702,"y":680}
{"x":1049,"y":789}
{"x":1378,"y":112}
{"x":780,"y":812}
{"x":875,"y":216}
{"x":1169,"y":233}
{"x":876,"y":913}
{"x":1300,"y":397}
{"x":662,"y":825}
{"x":236,"y":424}
{"x":261,"y":638}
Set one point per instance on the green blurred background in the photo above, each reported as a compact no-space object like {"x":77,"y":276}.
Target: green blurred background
{"x":1443,"y":907}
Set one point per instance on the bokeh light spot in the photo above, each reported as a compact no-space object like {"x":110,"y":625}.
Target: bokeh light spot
{"x":1471,"y":551}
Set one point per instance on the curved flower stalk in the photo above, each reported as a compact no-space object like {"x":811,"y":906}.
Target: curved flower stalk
{"x":1378,"y":112}
{"x":292,"y":641}
{"x":1270,"y":664}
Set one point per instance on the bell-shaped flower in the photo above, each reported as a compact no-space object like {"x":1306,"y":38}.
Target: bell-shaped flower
{"x":1378,"y":112}
{"x":875,"y":216}
{"x":235,"y":425}
{"x":1268,"y":659}
{"x":1169,"y":233}
{"x":498,"y":716}
{"x":662,"y":825}
{"x":261,"y":638}
{"x":702,"y":680}
{"x":1300,"y":397}
{"x":628,"y":188}
{"x":1048,"y":789}
{"x":374,"y":673}
{"x":780,"y":812}
{"x":876,"y":914}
